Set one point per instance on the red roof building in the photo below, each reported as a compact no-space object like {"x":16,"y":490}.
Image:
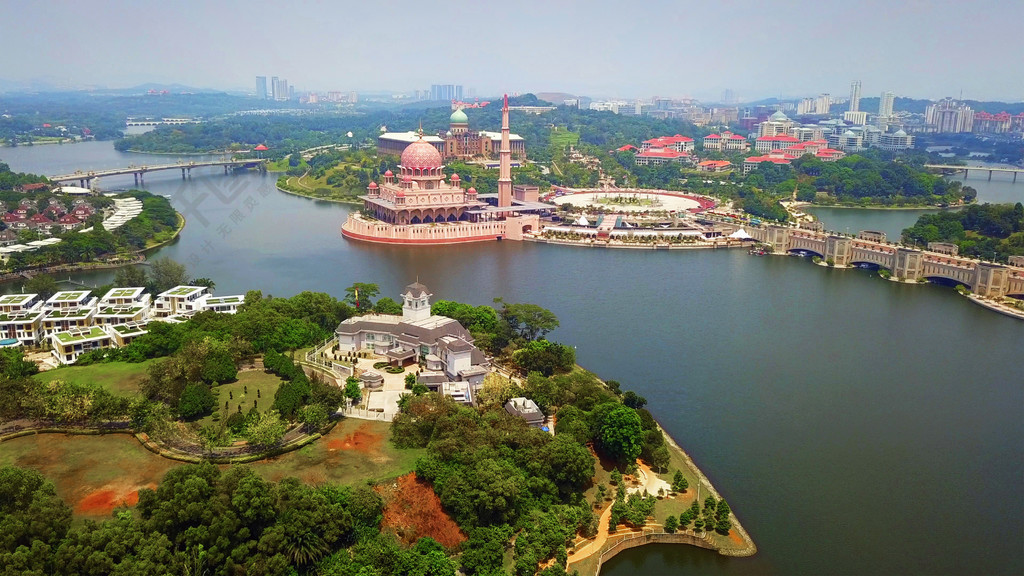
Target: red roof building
{"x":726,"y":141}
{"x":754,"y":161}
{"x":659,"y":156}
{"x":714,"y":166}
{"x":679,"y":143}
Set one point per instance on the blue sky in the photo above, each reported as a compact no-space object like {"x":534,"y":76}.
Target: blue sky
{"x":926,"y":49}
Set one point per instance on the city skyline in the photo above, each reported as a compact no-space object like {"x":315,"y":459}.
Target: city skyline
{"x":920,"y":49}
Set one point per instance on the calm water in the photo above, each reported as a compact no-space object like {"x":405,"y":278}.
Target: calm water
{"x":1000,"y":189}
{"x":855,"y":426}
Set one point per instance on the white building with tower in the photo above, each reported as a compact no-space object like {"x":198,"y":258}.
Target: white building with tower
{"x":442,"y":345}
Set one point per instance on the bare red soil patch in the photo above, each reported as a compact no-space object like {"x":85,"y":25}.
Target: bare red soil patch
{"x":102,"y":502}
{"x":412,"y":510}
{"x":361,"y":440}
{"x":735,"y":538}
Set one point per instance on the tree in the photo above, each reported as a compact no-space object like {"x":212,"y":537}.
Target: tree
{"x":526,"y":321}
{"x":42,"y":284}
{"x":361,"y":295}
{"x":679,"y":483}
{"x":633,"y":400}
{"x":265,"y":430}
{"x":621,"y":435}
{"x":410,"y":381}
{"x":352,"y":390}
{"x":196,"y":400}
{"x":130,"y":276}
{"x":722,"y":522}
{"x":671,"y":524}
{"x":167,"y":274}
{"x":203,"y":282}
{"x":387,"y":306}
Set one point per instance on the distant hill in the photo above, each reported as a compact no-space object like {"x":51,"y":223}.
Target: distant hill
{"x":555,"y":98}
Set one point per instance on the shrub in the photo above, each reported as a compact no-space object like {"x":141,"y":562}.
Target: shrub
{"x":196,"y":400}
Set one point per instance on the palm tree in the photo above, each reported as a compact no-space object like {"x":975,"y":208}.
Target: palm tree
{"x":305,"y":547}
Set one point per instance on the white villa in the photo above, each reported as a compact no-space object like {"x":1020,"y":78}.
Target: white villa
{"x":122,"y":305}
{"x":74,"y":322}
{"x":441,"y":344}
{"x":187,"y":300}
{"x":21,"y":318}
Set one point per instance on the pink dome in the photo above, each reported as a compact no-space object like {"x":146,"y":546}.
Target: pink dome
{"x":455,"y":177}
{"x":389,"y":173}
{"x":406,"y":178}
{"x":471,"y":190}
{"x":421,"y":154}
{"x":373,"y":185}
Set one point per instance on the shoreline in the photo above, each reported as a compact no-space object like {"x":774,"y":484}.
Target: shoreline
{"x":216,"y":153}
{"x":336,"y":201}
{"x":140,"y":256}
{"x":638,"y":246}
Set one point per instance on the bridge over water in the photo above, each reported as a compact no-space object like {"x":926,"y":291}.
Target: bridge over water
{"x":988,"y":279}
{"x":966,"y":169}
{"x":85,"y":178}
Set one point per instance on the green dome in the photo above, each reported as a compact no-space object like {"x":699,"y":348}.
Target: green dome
{"x":459,"y":117}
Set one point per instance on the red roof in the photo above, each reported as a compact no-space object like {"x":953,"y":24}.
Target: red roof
{"x":736,"y":137}
{"x":261,"y":148}
{"x":35,"y":186}
{"x":41,"y":219}
{"x":666,"y":140}
{"x":11,"y":217}
{"x":712,"y":136}
{"x":625,"y":148}
{"x":717,"y":163}
{"x":68,"y":219}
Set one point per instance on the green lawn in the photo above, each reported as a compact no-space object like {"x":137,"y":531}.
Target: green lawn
{"x":253,"y":388}
{"x":353,"y":452}
{"x":560,"y":138}
{"x":120,"y":378}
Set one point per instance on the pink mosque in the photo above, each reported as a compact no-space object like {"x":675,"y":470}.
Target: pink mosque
{"x":418,"y":207}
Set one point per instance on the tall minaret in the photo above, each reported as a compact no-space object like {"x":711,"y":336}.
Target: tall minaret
{"x":505,"y":166}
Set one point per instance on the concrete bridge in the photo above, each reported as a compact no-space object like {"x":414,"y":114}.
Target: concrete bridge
{"x":966,"y":169}
{"x":987,"y":279}
{"x":85,"y":178}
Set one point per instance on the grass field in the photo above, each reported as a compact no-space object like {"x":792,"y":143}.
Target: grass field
{"x":560,"y":138}
{"x":253,"y":388}
{"x":94,"y":474}
{"x":354,"y":451}
{"x":120,"y":378}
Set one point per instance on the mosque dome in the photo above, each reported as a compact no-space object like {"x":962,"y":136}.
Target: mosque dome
{"x":900,"y":133}
{"x":459,"y":117}
{"x":421,"y":154}
{"x":778,"y":116}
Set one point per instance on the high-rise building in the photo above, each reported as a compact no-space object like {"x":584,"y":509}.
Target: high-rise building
{"x":822,"y":104}
{"x":950,"y":115}
{"x":885,"y":104}
{"x":855,"y":96}
{"x":281,"y":91}
{"x":273,"y":87}
{"x":261,"y":87}
{"x":446,"y":92}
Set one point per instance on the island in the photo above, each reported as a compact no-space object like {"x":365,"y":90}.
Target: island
{"x":408,"y":436}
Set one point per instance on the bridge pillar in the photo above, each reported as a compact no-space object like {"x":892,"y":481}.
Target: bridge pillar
{"x":81,"y":182}
{"x":182,"y":173}
{"x":779,"y":238}
{"x":839,"y":249}
{"x":136,"y":174}
{"x":990,"y":175}
{"x":991,"y":279}
{"x":909,"y":264}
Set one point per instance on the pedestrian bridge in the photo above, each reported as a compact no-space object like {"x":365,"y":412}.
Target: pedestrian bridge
{"x":904,"y":263}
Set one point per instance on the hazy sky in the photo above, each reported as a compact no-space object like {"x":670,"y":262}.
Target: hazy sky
{"x":625,"y":48}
